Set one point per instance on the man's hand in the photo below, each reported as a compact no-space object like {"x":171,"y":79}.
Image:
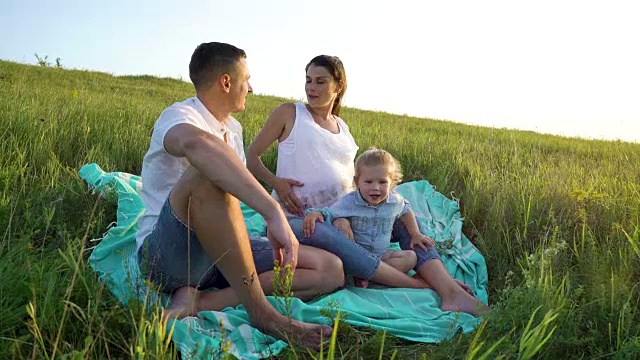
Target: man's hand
{"x":421,"y":240}
{"x":309,"y":224}
{"x":345,"y":226}
{"x":284,"y":242}
{"x":284,"y":189}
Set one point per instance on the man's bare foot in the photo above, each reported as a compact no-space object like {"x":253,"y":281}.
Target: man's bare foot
{"x":463,"y":302}
{"x":303,"y":334}
{"x":183,"y":304}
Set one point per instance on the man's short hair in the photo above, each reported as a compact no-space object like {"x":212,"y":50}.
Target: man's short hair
{"x":211,"y":60}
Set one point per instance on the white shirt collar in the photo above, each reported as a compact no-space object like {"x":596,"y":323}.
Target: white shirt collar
{"x":216,"y":125}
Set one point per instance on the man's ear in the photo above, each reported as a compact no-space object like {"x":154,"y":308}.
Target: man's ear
{"x":225,"y":82}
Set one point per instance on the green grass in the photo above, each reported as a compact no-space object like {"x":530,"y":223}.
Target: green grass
{"x":556,"y":218}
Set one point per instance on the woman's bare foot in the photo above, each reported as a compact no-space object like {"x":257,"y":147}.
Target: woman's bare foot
{"x":463,"y":302}
{"x":426,"y":285}
{"x":421,"y":283}
{"x":464,"y":286}
{"x":183,"y":304}
{"x":360,"y":282}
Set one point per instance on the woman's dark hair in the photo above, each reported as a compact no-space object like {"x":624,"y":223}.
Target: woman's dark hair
{"x":334,"y":66}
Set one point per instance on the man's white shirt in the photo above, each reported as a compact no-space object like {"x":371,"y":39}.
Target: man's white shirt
{"x":161,"y":171}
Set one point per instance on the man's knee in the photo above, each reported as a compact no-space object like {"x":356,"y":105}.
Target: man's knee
{"x":193,"y":191}
{"x":197,"y":187}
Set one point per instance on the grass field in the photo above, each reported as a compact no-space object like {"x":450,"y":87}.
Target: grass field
{"x":557,"y":220}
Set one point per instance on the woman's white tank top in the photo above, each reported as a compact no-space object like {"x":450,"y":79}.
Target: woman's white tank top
{"x":320,"y":159}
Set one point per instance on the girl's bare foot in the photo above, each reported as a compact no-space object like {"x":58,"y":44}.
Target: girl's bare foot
{"x":463,"y":302}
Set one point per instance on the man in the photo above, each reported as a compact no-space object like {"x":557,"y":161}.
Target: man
{"x":193,"y":236}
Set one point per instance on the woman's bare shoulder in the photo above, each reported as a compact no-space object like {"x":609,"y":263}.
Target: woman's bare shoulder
{"x":284,"y":112}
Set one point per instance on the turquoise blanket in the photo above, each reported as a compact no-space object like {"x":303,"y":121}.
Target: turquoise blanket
{"x":412,"y":314}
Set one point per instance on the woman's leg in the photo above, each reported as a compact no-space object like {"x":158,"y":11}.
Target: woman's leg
{"x":356,"y":260}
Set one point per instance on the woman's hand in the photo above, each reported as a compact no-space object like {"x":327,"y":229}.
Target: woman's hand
{"x":421,"y":240}
{"x":309,"y":223}
{"x":345,"y":226}
{"x":288,"y":199}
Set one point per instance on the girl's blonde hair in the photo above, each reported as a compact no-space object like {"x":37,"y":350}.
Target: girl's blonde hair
{"x":378,"y":157}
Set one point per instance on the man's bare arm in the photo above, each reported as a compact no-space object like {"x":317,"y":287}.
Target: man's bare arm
{"x":219,"y":163}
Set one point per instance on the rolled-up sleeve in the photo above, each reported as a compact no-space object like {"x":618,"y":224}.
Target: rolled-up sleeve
{"x":343,"y":208}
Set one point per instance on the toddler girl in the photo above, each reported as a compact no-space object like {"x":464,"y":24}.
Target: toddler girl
{"x":372,"y":210}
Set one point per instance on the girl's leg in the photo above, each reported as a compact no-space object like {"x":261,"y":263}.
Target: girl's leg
{"x":456,"y":296}
{"x":402,"y":260}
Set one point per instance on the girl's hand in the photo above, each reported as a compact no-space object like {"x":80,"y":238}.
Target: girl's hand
{"x":309,"y":223}
{"x":345,"y":226}
{"x":288,"y":199}
{"x":421,"y":240}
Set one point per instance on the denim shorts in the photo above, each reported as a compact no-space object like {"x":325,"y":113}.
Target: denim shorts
{"x":171,"y":256}
{"x":401,"y":235}
{"x":357,"y":261}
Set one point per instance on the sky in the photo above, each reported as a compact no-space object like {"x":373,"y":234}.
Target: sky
{"x":563,"y":67}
